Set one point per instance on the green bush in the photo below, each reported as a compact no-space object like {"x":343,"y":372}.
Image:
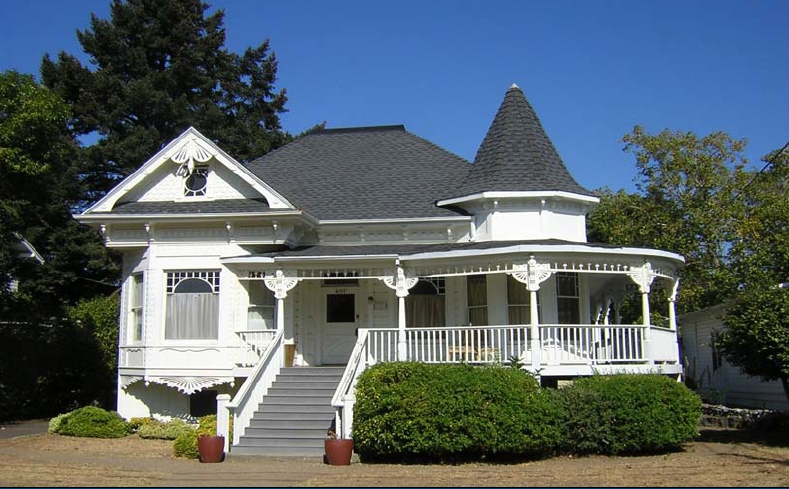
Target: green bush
{"x":136,"y":423}
{"x":629,"y":414}
{"x":419,"y":412}
{"x":185,"y":444}
{"x":54,"y":423}
{"x":587,"y":420}
{"x":164,"y":431}
{"x":93,"y":422}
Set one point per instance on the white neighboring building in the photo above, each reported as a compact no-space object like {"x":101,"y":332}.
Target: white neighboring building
{"x":357,"y":245}
{"x":717,"y":380}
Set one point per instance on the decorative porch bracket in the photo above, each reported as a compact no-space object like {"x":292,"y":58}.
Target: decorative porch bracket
{"x":643,"y":276}
{"x":533,"y":274}
{"x":280,"y":284}
{"x":401,"y":285}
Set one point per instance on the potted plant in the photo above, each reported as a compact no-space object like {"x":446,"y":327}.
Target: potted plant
{"x":210,"y":446}
{"x":338,"y":450}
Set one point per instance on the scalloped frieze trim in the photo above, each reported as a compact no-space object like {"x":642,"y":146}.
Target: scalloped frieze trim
{"x":127,"y":380}
{"x":187,"y":350}
{"x":189,"y":385}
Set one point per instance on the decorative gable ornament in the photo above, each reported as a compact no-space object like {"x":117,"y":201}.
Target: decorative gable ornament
{"x":187,"y":154}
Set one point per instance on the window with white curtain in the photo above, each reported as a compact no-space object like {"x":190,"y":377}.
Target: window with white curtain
{"x":425,"y":304}
{"x":136,"y":307}
{"x":477,"y":300}
{"x":192,"y":305}
{"x":262,"y":306}
{"x":518,"y":302}
{"x":568,"y":300}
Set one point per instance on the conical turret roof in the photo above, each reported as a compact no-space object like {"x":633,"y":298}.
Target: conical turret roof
{"x":517,"y":155}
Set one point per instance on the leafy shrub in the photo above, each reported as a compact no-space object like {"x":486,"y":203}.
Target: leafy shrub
{"x":54,"y":423}
{"x":136,"y":423}
{"x":587,"y":420}
{"x":635,"y":413}
{"x":185,"y":444}
{"x":164,"y":431}
{"x":93,"y":422}
{"x":416,"y":412}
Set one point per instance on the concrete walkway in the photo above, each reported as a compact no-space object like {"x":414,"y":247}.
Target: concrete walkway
{"x":13,"y":429}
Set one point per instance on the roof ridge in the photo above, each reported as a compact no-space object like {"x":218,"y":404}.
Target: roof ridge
{"x":392,"y":127}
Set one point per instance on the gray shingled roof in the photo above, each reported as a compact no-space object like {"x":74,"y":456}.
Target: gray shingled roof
{"x":517,"y":155}
{"x":227,"y":206}
{"x":380,"y":172}
{"x":410,"y":249}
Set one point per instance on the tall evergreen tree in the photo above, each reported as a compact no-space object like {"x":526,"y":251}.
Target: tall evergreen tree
{"x":158,"y":67}
{"x":38,"y":156}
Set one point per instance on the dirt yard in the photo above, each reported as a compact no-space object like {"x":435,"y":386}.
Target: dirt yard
{"x":720,"y":458}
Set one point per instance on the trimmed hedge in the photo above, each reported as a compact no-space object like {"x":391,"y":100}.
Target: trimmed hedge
{"x":92,"y":422}
{"x":164,"y":431}
{"x":409,"y":412}
{"x":628,"y":414}
{"x":412,"y":412}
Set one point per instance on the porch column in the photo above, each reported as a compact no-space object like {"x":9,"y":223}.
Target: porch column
{"x":400,"y":284}
{"x":643,"y":277}
{"x":280,"y":284}
{"x":672,"y":312}
{"x":534,"y":274}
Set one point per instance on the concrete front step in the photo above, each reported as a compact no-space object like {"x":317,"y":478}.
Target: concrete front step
{"x":278,"y":451}
{"x":255,"y":441}
{"x":280,"y":416}
{"x":293,"y":418}
{"x":269,"y":423}
{"x":304,"y":389}
{"x":266,"y":409}
{"x":301,"y":400}
{"x":291,"y":432}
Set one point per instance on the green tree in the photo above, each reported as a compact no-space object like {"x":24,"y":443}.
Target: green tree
{"x":684,"y":203}
{"x":756,"y":333}
{"x":160,"y":66}
{"x":761,"y":254}
{"x":38,"y":155}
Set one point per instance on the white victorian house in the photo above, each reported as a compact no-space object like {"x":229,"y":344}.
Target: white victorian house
{"x":353,"y":246}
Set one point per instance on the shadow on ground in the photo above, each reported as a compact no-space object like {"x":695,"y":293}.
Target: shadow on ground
{"x":776,"y":438}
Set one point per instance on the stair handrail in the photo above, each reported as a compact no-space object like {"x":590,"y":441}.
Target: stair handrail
{"x":356,"y":365}
{"x":252,"y":391}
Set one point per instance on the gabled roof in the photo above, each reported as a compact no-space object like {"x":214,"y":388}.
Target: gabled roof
{"x":189,"y":145}
{"x":382,"y":172}
{"x":517,"y":155}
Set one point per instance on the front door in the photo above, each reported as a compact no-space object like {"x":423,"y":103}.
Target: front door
{"x":341,"y":316}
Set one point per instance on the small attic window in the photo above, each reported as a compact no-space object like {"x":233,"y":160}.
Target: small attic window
{"x":195,"y":183}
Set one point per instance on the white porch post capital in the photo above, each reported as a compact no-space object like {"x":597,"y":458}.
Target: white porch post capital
{"x":533,"y":275}
{"x":401,"y":285}
{"x":280,"y":284}
{"x":643,"y":277}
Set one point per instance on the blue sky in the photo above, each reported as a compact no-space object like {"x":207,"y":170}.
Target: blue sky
{"x":591,"y":69}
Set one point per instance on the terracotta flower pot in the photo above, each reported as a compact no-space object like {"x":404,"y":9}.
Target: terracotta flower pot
{"x":338,"y":452}
{"x":211,"y":448}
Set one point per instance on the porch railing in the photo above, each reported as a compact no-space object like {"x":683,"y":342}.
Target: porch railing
{"x":560,"y":344}
{"x":257,"y":340}
{"x":255,"y":387}
{"x":592,"y":344}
